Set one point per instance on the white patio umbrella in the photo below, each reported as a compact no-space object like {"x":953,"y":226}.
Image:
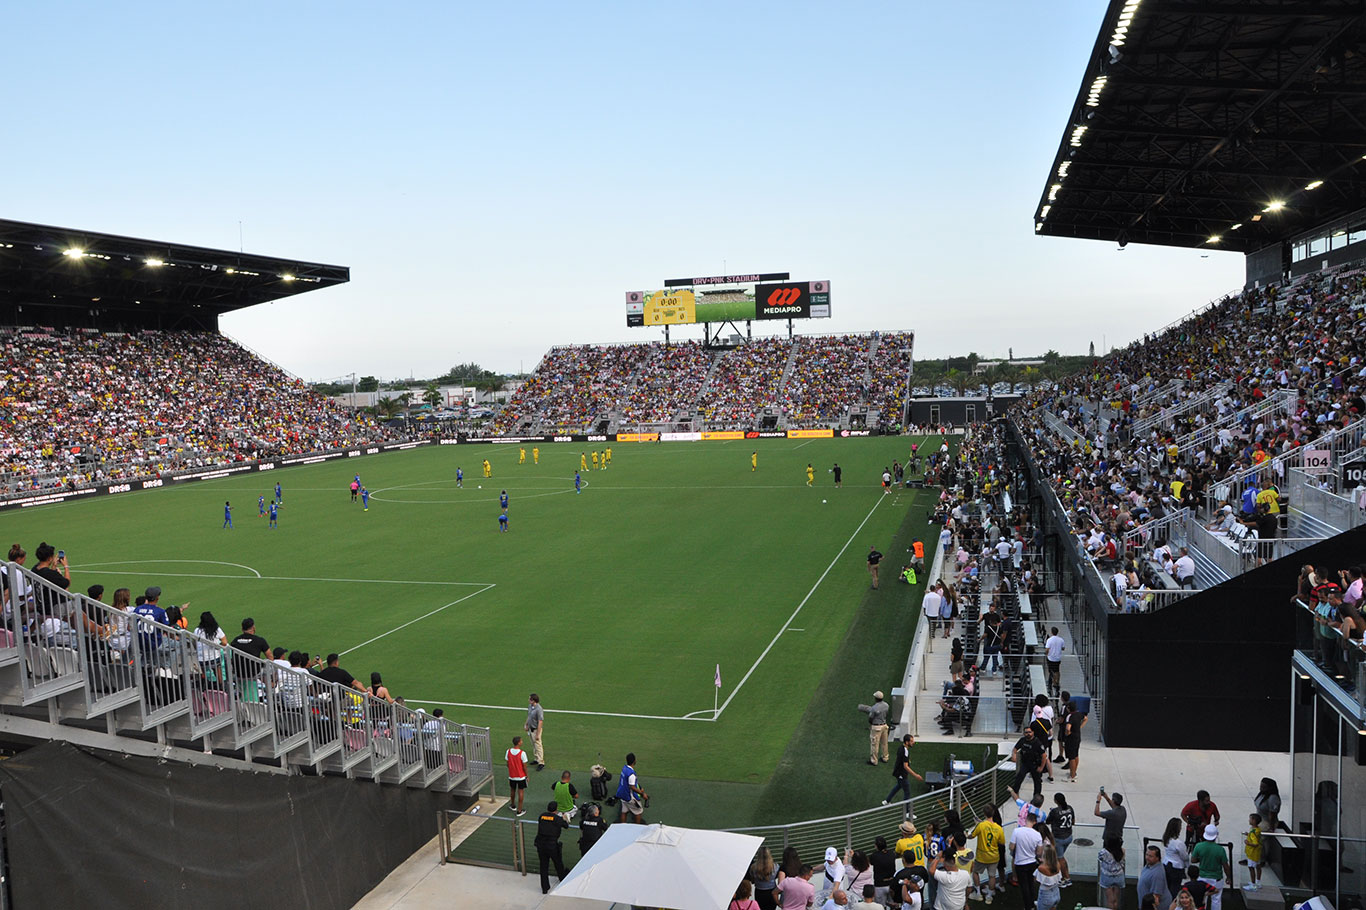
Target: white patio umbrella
{"x":660,"y":866}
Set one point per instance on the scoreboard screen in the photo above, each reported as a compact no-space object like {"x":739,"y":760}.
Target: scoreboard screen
{"x":686,"y":306}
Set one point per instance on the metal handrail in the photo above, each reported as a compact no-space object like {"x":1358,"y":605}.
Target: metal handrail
{"x":1143,"y":424}
{"x":194,"y":688}
{"x":1335,"y":439}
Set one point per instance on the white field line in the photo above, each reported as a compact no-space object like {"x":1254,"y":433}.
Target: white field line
{"x":259,"y":576}
{"x":760,"y":659}
{"x":463,"y":704}
{"x":419,"y":619}
{"x":134,"y":562}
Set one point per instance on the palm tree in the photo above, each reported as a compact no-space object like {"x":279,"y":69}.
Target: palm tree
{"x":1031,"y":376}
{"x":387,"y":407}
{"x":958,"y":379}
{"x":431,"y":395}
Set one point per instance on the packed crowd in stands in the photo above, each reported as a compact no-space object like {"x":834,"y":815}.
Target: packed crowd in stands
{"x":890,"y":364}
{"x":572,"y":386}
{"x":728,"y":389}
{"x":1119,"y":441}
{"x":829,"y":373}
{"x":744,"y":383}
{"x":666,"y":383}
{"x":85,"y":407}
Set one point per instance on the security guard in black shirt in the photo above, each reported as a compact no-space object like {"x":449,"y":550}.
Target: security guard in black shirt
{"x":548,"y":846}
{"x":591,"y":828}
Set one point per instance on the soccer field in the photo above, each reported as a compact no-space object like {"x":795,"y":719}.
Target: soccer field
{"x":615,"y":605}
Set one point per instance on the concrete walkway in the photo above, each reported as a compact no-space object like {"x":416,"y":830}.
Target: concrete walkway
{"x":1155,"y":783}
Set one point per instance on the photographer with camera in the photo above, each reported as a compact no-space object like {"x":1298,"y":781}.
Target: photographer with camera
{"x":633,"y":799}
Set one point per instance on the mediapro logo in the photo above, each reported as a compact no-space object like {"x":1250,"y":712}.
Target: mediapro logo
{"x":783,"y":297}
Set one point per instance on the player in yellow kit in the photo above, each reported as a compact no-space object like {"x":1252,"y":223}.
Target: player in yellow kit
{"x":536,"y":455}
{"x":810,"y":475}
{"x":608,"y":456}
{"x":583,"y":462}
{"x":521,"y":455}
{"x":602,"y":461}
{"x":488,"y":468}
{"x":595,"y":461}
{"x":754,"y":461}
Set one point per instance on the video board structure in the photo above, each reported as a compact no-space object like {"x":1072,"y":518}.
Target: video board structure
{"x":728,"y":299}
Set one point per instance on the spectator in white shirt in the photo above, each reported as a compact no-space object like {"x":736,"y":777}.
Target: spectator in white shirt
{"x":1185,"y":569}
{"x":929,"y":606}
{"x":1054,"y":646}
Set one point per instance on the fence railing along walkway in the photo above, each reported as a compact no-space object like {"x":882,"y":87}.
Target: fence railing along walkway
{"x":122,"y":671}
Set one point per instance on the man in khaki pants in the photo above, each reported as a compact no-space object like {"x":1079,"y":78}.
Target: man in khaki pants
{"x":877,"y":728}
{"x":535,"y":721}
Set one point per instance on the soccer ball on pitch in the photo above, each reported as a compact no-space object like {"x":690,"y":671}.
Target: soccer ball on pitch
{"x":481,"y":486}
{"x":822,"y":501}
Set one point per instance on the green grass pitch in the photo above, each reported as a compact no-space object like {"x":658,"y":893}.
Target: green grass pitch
{"x":615,"y":604}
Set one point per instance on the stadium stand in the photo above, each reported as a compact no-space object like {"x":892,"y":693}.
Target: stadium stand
{"x":1263,"y":376}
{"x":804,"y":381}
{"x":86,"y":407}
{"x":194,"y":691}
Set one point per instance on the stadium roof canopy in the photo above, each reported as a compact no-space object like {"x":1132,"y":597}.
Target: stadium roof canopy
{"x":55,"y":269}
{"x":1241,"y":121}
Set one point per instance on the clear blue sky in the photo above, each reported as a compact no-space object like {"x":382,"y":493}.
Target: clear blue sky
{"x":496,"y":175}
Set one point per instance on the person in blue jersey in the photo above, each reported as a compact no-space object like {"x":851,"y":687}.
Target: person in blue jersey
{"x":459,"y":478}
{"x":503,"y":499}
{"x":227,"y":514}
{"x":578,"y":483}
{"x":364,"y":499}
{"x":274,"y":514}
{"x":629,"y":794}
{"x":279,"y":493}
{"x":260,"y":507}
{"x":503,"y":521}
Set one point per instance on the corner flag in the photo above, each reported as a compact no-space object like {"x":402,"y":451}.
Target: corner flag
{"x":718,"y":676}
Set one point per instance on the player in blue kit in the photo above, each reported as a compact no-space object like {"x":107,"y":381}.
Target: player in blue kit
{"x":274,"y":514}
{"x":503,"y":499}
{"x":365,"y":499}
{"x":503,"y":521}
{"x":260,"y":507}
{"x":460,"y":478}
{"x":578,"y":483}
{"x":279,"y":494}
{"x":227,"y":514}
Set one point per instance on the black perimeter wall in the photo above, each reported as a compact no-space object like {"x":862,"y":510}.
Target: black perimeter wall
{"x":1210,"y":672}
{"x":95,"y":829}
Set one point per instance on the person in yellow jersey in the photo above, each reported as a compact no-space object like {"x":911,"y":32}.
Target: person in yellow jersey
{"x":990,"y":835}
{"x":1270,"y":497}
{"x":583,"y":461}
{"x":910,"y":842}
{"x":608,"y":456}
{"x":488,"y":468}
{"x":521,"y":455}
{"x":754,"y":461}
{"x":602,"y":461}
{"x":536,"y":455}
{"x":810,"y":475}
{"x":595,"y":460}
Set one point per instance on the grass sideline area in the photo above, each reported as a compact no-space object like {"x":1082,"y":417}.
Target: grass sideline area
{"x":615,"y":604}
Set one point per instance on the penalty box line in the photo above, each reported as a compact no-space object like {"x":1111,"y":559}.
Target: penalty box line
{"x":487,"y":587}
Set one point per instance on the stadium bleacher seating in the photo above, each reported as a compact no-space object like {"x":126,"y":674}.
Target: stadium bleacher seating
{"x":803,"y":381}
{"x":83,"y":407}
{"x":1194,"y":414}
